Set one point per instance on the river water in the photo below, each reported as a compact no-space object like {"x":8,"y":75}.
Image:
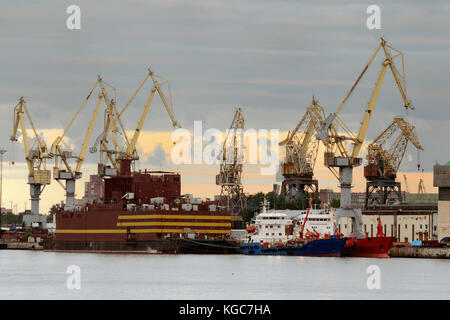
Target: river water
{"x":43,"y":275}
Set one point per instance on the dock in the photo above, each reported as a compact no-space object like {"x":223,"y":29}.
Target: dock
{"x":420,"y":252}
{"x":21,"y":246}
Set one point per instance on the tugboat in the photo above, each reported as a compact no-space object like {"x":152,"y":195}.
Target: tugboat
{"x":275,"y":233}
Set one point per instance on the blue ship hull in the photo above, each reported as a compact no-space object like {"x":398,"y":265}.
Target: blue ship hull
{"x":320,"y":248}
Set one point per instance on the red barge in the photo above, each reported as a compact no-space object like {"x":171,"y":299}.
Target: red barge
{"x":145,"y":212}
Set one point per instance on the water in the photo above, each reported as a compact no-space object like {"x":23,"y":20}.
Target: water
{"x":42,"y":275}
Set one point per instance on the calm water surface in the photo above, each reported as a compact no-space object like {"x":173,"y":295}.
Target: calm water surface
{"x":42,"y":275}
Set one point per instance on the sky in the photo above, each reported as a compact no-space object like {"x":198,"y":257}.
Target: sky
{"x":269,"y":57}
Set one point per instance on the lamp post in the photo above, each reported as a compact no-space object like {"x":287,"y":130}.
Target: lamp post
{"x":2,"y":152}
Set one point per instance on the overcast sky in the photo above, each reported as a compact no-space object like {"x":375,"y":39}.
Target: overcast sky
{"x":267,"y":56}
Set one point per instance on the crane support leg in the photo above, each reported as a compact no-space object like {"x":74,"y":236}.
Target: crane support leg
{"x":70,"y":193}
{"x":382,"y":192}
{"x":346,"y":210}
{"x":35,"y":192}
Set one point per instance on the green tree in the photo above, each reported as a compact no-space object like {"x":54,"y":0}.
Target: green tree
{"x":335,"y":203}
{"x":10,"y":218}
{"x":53,"y":210}
{"x":276,"y":201}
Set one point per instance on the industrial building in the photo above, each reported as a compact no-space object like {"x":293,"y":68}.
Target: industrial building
{"x":441,"y":179}
{"x":404,"y":222}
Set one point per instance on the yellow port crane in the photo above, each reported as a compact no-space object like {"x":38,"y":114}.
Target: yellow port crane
{"x":38,"y":175}
{"x":334,"y":133}
{"x":120,"y":156}
{"x":384,"y":157}
{"x":406,"y":186}
{"x":64,"y":156}
{"x":301,"y":147}
{"x":421,"y":188}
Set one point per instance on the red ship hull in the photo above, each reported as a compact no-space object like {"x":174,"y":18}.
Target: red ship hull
{"x":371,"y":247}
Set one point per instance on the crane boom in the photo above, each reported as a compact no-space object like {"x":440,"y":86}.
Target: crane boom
{"x":70,"y":174}
{"x":301,"y":148}
{"x":166,"y":102}
{"x":121,"y":155}
{"x":345,"y":160}
{"x":384,"y":156}
{"x":59,"y":139}
{"x":132,"y":145}
{"x":87,"y":138}
{"x":333,"y":123}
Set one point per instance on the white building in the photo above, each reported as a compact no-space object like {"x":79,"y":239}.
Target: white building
{"x":405,"y":222}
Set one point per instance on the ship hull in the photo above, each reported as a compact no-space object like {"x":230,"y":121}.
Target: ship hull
{"x":317,"y":248}
{"x":163,"y":246}
{"x":113,"y":229}
{"x":371,"y":247}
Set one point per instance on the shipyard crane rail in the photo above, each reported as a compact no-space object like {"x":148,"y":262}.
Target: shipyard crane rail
{"x":335,"y":133}
{"x":301,"y":148}
{"x":384,"y":156}
{"x":38,"y":175}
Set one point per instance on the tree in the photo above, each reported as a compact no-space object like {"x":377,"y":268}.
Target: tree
{"x":335,"y":203}
{"x":53,"y":210}
{"x":276,"y":201}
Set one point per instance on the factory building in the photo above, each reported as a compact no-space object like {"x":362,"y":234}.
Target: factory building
{"x":404,"y":222}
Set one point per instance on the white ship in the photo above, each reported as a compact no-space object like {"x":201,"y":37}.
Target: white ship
{"x":281,"y":226}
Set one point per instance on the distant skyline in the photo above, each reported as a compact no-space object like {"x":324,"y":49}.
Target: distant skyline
{"x":269,"y":57}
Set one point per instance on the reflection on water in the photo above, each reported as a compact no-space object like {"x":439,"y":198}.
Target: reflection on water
{"x":42,"y":275}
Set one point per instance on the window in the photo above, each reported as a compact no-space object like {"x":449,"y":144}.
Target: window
{"x":406,"y":227}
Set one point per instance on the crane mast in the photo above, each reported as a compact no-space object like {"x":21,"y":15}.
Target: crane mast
{"x":384,"y":156}
{"x":334,"y":133}
{"x":231,"y":163}
{"x":301,"y":147}
{"x":38,"y":175}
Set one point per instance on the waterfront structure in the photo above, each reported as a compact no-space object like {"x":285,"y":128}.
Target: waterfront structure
{"x":405,"y":222}
{"x":441,"y":179}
